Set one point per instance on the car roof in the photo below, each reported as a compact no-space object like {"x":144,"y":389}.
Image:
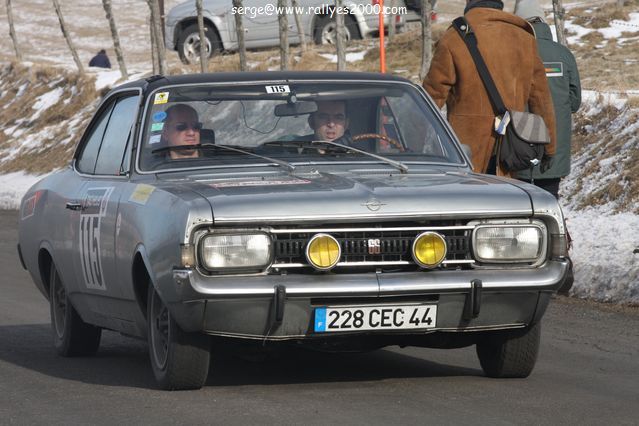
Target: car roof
{"x":151,"y":83}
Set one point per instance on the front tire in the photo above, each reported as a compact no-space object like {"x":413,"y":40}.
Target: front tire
{"x":179,"y":360}
{"x":71,"y":335}
{"x":510,"y":354}
{"x":188,"y":45}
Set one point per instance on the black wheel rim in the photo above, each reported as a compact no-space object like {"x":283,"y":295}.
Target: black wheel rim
{"x":58,"y":305}
{"x":160,"y":331}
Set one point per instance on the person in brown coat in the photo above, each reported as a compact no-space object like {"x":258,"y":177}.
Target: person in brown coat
{"x":508,"y":46}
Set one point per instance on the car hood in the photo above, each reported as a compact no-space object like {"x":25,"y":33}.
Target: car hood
{"x":323,"y":196}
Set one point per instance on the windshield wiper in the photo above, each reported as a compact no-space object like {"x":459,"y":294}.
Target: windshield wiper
{"x":207,"y":146}
{"x":397,"y":164}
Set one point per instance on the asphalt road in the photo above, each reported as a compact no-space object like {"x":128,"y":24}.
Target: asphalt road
{"x":587,"y":373}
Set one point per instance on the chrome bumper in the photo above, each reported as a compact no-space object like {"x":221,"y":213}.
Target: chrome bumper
{"x":282,"y":306}
{"x":193,"y":285}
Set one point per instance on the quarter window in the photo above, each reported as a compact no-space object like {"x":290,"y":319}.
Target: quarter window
{"x":112,"y":157}
{"x":89,"y":154}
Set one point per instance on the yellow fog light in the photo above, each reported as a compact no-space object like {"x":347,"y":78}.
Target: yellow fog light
{"x":323,"y":252}
{"x":429,"y":249}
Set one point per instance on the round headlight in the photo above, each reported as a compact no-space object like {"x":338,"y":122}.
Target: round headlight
{"x":323,"y":252}
{"x":429,"y":249}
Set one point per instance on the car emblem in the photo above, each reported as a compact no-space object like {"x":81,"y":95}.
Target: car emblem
{"x":374,"y":246}
{"x":373,"y":204}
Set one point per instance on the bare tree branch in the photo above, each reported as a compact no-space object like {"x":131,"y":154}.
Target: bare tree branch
{"x":559,"y":12}
{"x":116,"y":38}
{"x":12,"y":32}
{"x":427,"y":39}
{"x":283,"y":21}
{"x":340,"y":39}
{"x":204,"y":52}
{"x":63,"y":27}
{"x":239,"y":30}
{"x":298,"y":23}
{"x":156,"y":29}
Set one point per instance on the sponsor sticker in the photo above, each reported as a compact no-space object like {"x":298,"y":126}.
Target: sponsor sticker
{"x":159,"y":116}
{"x":29,"y":205}
{"x":161,"y":98}
{"x":141,"y":194}
{"x":282,"y":88}
{"x":95,"y":206}
{"x":155,"y":139}
{"x":251,"y":183}
{"x":157,"y":127}
{"x":554,"y":69}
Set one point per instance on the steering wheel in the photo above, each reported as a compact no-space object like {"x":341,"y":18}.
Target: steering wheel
{"x":390,"y":140}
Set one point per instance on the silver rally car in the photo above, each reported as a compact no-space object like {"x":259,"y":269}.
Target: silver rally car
{"x":333,"y":210}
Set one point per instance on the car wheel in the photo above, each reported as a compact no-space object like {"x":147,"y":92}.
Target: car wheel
{"x":71,"y":335}
{"x":180,"y":360}
{"x":325,"y":31}
{"x":510,"y":354}
{"x":188,"y":45}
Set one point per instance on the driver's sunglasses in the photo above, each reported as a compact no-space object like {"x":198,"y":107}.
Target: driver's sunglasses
{"x":180,"y":127}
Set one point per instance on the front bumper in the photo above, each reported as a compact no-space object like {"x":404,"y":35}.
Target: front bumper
{"x":245,"y":306}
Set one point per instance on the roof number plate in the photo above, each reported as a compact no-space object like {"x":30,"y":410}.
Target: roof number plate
{"x":278,"y":89}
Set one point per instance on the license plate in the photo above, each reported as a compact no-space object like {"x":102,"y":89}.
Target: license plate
{"x":355,"y":318}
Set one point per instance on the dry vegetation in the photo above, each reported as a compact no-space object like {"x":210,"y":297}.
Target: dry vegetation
{"x":52,"y":136}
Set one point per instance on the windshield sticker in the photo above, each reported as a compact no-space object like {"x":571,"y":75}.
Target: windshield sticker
{"x":161,"y":98}
{"x":159,"y":116}
{"x":554,"y":69}
{"x":94,"y":207}
{"x":141,"y":194}
{"x":157,"y":127}
{"x":155,"y":139}
{"x":251,"y":183}
{"x":278,"y":89}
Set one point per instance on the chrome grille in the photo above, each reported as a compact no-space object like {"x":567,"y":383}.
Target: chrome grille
{"x":395,"y":245}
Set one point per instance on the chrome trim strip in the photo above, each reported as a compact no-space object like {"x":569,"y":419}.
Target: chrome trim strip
{"x":370,"y":263}
{"x":546,"y":277}
{"x":457,"y":214}
{"x":392,"y":229}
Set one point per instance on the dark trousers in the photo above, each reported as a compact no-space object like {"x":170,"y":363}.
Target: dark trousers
{"x":550,"y":185}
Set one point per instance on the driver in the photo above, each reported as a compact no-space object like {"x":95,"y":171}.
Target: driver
{"x":329,"y":122}
{"x":181,"y":128}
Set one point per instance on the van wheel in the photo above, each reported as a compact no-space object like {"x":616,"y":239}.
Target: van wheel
{"x":188,"y":45}
{"x":71,"y":335}
{"x":179,"y":360}
{"x":511,"y":353}
{"x":325,"y":31}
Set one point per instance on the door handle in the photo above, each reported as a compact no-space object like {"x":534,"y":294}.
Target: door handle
{"x":74,"y":206}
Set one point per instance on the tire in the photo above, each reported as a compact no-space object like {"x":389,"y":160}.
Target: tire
{"x":188,"y":44}
{"x":71,"y":335}
{"x":325,"y":31}
{"x":180,"y":360}
{"x":510,"y":354}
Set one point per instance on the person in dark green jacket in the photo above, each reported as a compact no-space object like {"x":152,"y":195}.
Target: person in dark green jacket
{"x":565,"y":88}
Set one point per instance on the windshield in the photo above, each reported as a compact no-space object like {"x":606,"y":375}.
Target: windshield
{"x":284,"y":125}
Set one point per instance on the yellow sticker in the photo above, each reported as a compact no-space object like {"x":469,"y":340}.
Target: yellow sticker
{"x":161,"y":98}
{"x":141,"y":194}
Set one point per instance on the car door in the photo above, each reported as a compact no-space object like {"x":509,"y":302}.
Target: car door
{"x":95,"y":265}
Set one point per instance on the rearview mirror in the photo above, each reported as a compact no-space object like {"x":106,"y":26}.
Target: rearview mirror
{"x":293,"y":109}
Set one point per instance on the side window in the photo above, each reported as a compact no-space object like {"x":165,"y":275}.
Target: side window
{"x":112,"y":155}
{"x":89,"y":154}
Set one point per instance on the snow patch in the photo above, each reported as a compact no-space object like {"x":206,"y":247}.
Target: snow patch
{"x":46,"y":101}
{"x":13,"y":186}
{"x":105,"y":79}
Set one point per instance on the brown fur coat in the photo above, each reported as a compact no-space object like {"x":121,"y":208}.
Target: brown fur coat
{"x":507,"y":44}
